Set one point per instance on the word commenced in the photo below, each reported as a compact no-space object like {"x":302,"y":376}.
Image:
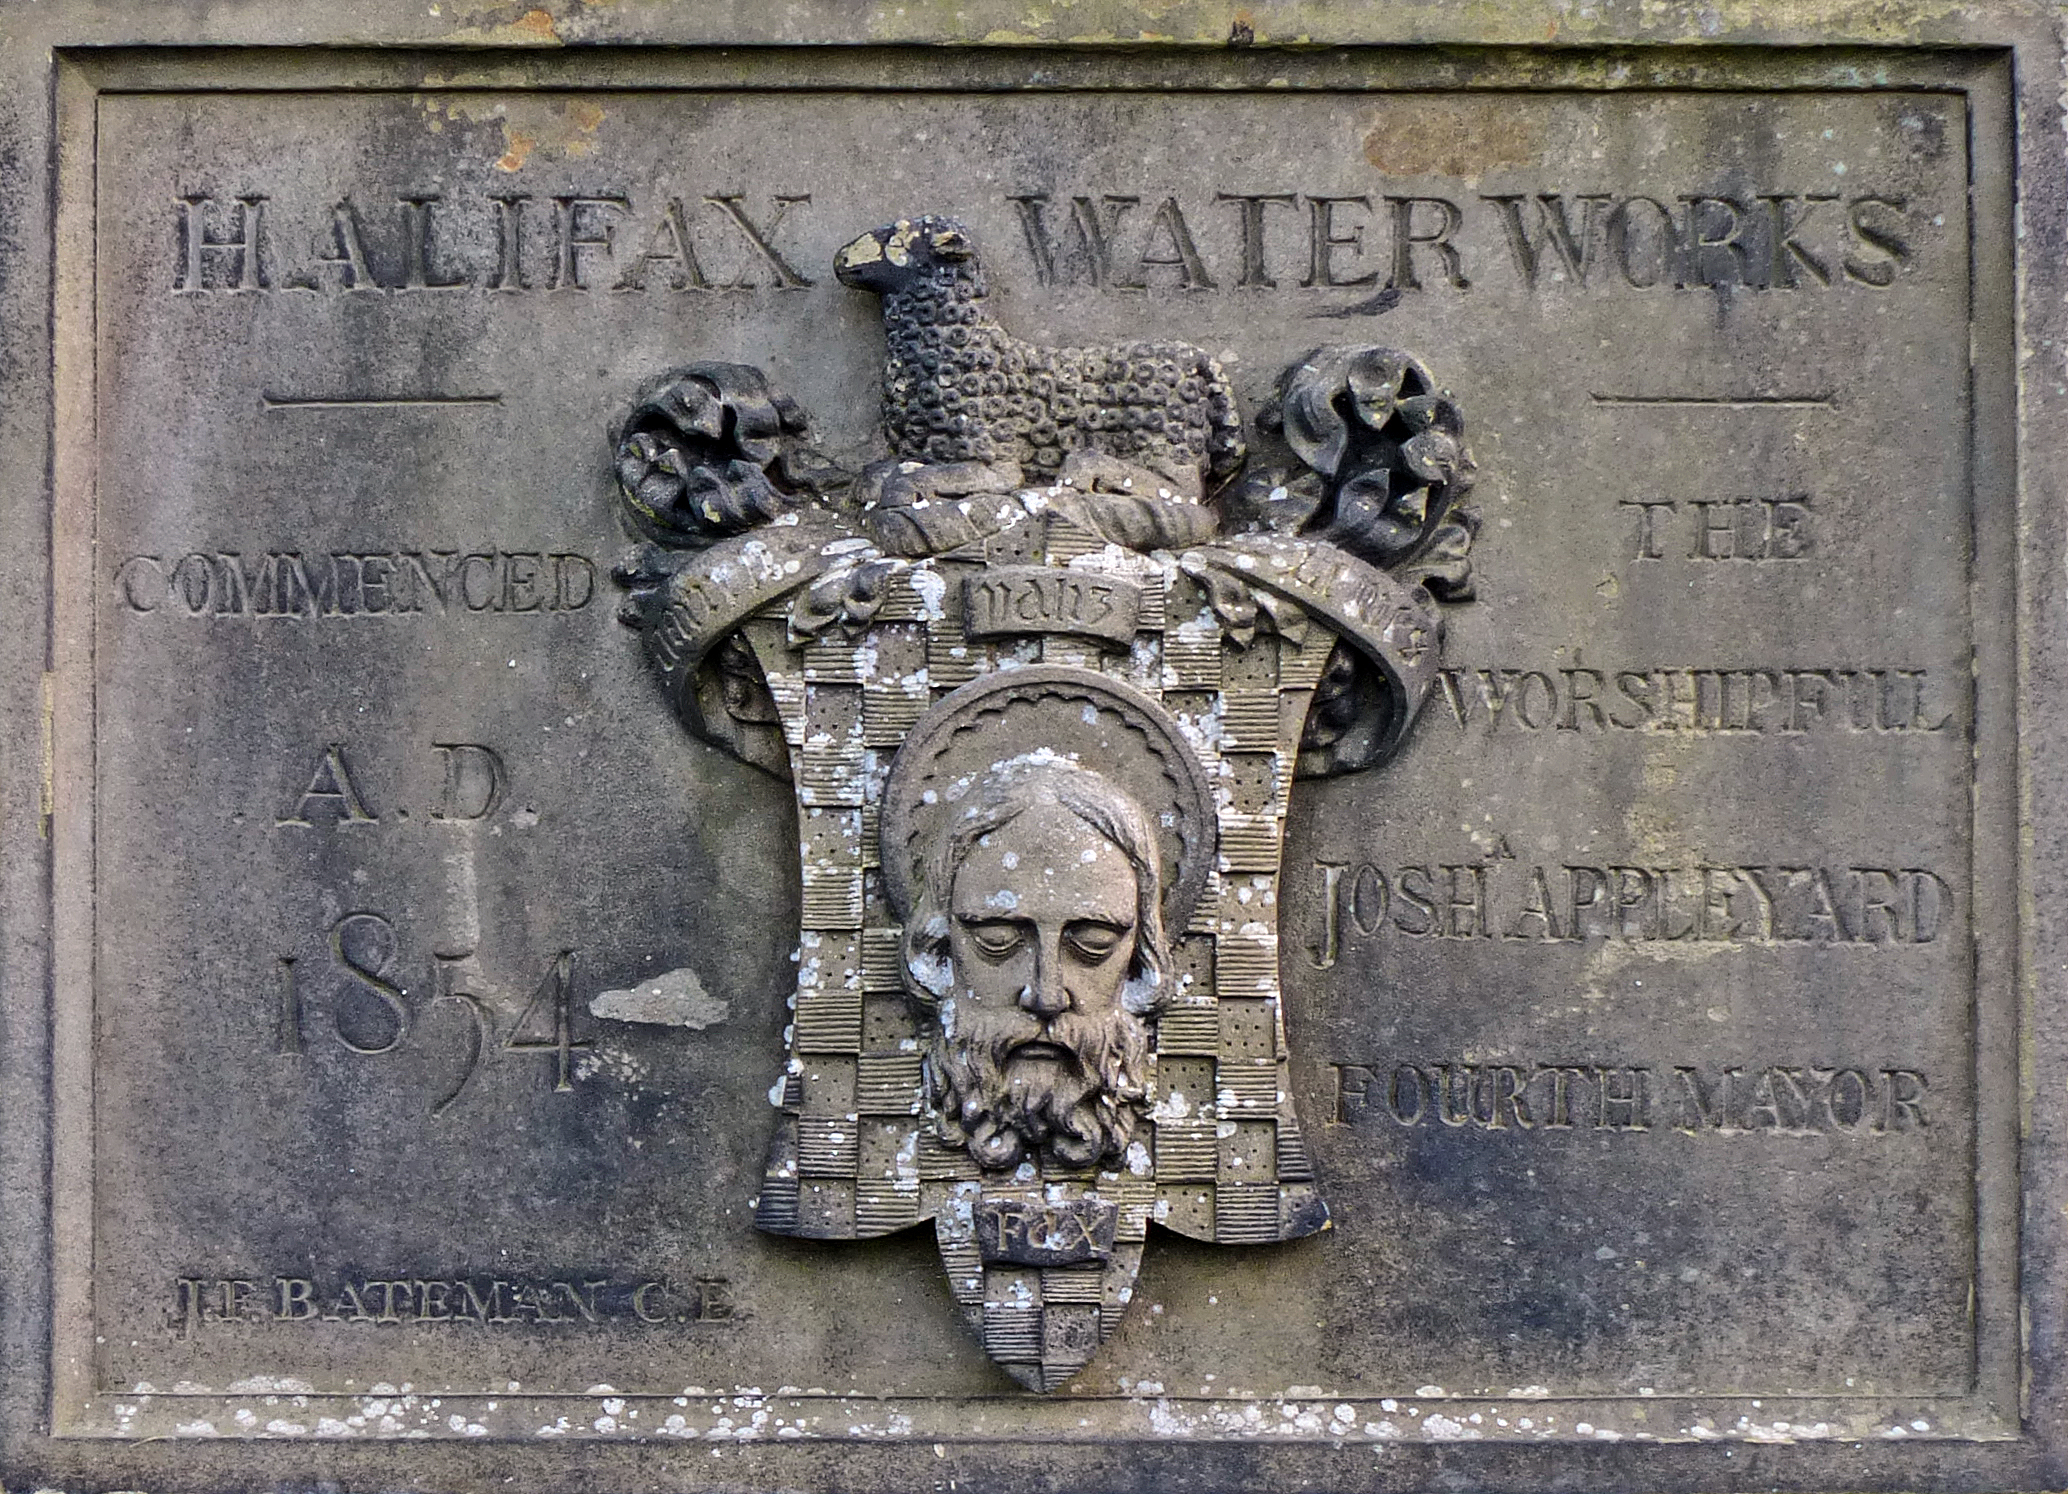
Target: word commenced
{"x":348,"y":583}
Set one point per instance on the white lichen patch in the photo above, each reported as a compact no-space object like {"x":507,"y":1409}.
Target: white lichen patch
{"x":269,"y":1385}
{"x":931,"y":587}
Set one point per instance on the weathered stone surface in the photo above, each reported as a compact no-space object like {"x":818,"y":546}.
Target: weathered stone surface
{"x":1567,"y":922}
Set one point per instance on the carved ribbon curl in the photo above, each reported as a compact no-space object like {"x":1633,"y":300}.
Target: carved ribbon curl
{"x":1389,"y":632}
{"x":692,"y":619}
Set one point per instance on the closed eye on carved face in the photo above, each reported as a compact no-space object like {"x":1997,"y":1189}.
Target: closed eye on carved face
{"x":1092,"y":940}
{"x":996,"y":939}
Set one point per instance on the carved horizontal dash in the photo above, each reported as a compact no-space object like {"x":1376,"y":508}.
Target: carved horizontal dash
{"x":377,"y":401}
{"x":1822,"y":401}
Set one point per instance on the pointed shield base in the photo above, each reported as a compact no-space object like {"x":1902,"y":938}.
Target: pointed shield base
{"x":1043,"y":1272}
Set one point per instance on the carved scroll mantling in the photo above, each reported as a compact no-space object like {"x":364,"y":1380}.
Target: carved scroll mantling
{"x":714,"y":449}
{"x":1386,"y":467}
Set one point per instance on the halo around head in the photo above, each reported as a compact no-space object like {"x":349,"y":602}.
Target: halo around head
{"x":1043,"y":719}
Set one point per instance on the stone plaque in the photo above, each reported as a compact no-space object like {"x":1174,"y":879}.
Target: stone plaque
{"x":1210,"y":761}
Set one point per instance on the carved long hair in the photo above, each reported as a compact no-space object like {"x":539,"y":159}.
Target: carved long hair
{"x":1008,"y":792}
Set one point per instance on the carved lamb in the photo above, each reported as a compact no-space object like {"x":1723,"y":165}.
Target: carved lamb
{"x":959,"y":388}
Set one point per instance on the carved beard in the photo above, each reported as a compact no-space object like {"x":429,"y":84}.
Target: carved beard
{"x":1076,"y":1110}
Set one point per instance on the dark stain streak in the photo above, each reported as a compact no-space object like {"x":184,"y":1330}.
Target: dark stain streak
{"x":1377,"y":305}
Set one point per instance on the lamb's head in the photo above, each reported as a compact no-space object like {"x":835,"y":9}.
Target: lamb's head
{"x":907,"y":255}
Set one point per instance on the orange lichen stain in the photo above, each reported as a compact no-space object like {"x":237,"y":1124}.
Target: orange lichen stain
{"x":1461,"y":137}
{"x":521,"y":146}
{"x":535,"y":25}
{"x":531,"y":126}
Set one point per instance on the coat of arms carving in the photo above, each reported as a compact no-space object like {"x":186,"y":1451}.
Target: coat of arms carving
{"x":1042,"y":680}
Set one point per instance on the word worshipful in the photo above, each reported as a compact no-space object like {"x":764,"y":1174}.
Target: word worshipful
{"x":1655,"y":698}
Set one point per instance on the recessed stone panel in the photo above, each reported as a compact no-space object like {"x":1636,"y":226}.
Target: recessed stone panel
{"x":1572,"y":924}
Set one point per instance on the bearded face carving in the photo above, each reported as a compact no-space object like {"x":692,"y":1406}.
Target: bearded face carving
{"x":1038,"y":944}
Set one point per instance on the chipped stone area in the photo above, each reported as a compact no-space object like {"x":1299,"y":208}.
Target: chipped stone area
{"x":675,"y":999}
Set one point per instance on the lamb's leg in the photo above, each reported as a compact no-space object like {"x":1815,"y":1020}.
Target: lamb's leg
{"x":905,"y":484}
{"x":910,"y":508}
{"x":1090,"y":470}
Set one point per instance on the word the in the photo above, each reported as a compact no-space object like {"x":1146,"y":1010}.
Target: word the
{"x":1728,"y":529}
{"x":1658,"y":699}
{"x":202,"y":1302}
{"x":395,"y":583}
{"x":1877,"y":906}
{"x":1770,"y":1099}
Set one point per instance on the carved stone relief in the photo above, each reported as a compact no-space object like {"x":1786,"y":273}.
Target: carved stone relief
{"x":1041,"y":681}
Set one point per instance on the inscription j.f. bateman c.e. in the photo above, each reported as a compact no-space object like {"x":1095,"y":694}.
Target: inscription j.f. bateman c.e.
{"x":211,"y":1304}
{"x":1041,"y":680}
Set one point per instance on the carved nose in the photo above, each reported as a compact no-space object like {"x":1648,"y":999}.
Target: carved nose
{"x":1045,"y":996}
